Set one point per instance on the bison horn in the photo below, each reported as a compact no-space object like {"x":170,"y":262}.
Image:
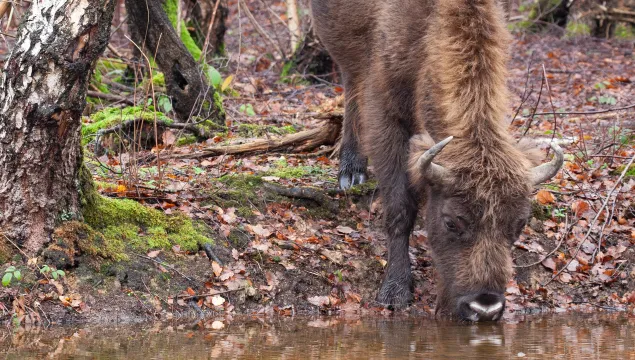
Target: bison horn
{"x":429,"y":169}
{"x":546,"y":171}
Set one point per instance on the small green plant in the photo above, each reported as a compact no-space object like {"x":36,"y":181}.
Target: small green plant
{"x":47,"y":270}
{"x":9,"y":274}
{"x":165,"y":104}
{"x":247,"y":109}
{"x":559,"y":213}
{"x":608,"y":100}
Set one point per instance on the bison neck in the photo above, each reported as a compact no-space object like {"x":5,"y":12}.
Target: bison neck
{"x":466,"y":60}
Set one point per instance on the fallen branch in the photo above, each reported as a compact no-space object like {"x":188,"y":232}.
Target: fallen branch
{"x":307,"y":140}
{"x":585,"y":112}
{"x":301,"y":192}
{"x":109,"y":97}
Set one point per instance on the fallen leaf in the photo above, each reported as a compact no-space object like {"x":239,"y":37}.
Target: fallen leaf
{"x":216,"y":268}
{"x":344,"y":229}
{"x":544,"y":197}
{"x":565,"y":278}
{"x":259,"y":230}
{"x":319,"y":300}
{"x":549,"y":263}
{"x":153,"y":253}
{"x":168,"y":138}
{"x":579,"y":207}
{"x":218,"y":300}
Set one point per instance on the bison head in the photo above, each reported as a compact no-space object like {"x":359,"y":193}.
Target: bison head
{"x":476,"y":205}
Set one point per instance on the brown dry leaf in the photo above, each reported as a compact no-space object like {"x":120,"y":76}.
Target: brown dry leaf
{"x":344,"y":229}
{"x":549,"y":263}
{"x":544,"y":197}
{"x":191,"y":291}
{"x":217,"y":268}
{"x":319,"y":300}
{"x":565,"y":278}
{"x":168,"y":138}
{"x":335,"y":256}
{"x":259,"y":230}
{"x":153,"y":253}
{"x":579,"y":207}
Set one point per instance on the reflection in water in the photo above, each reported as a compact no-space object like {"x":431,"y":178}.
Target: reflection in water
{"x":571,"y":336}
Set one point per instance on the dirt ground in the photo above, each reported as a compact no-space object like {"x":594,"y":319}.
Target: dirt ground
{"x":324,"y":254}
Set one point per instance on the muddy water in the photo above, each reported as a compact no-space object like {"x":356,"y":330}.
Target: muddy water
{"x":568,"y":336}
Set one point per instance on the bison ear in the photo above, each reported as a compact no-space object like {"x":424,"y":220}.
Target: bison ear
{"x":531,"y":150}
{"x":542,"y":172}
{"x":419,"y":144}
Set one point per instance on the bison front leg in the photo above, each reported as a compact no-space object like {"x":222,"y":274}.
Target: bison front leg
{"x":389,"y":155}
{"x":352,"y":162}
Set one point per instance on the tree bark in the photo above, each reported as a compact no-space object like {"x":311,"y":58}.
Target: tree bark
{"x":42,"y":96}
{"x":185,"y":82}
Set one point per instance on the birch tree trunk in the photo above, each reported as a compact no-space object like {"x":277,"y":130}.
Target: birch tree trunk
{"x":42,"y":96}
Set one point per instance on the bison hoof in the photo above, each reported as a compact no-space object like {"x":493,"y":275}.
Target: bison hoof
{"x":349,"y":179}
{"x":394,"y":295}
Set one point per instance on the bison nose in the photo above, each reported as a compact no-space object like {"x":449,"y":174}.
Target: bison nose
{"x":483,"y":307}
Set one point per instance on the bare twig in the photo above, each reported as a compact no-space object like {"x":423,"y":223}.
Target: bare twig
{"x":188,"y":297}
{"x":631,"y":106}
{"x":259,"y":28}
{"x":553,"y":109}
{"x":566,"y":234}
{"x":109,"y":97}
{"x":542,"y":83}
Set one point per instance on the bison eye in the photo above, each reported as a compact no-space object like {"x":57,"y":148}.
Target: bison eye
{"x":450,"y":225}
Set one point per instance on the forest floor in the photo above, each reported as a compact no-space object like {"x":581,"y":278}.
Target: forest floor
{"x":323,"y":252}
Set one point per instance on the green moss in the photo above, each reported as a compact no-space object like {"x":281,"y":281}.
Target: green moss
{"x":142,"y":227}
{"x":253,"y":130}
{"x":186,"y":140}
{"x":158,"y":79}
{"x":363,"y":189}
{"x":240,"y":192}
{"x":218,"y":104}
{"x":624,"y":31}
{"x":112,"y":116}
{"x":124,"y":223}
{"x":190,"y":43}
{"x":540,"y":212}
{"x":618,"y":171}
{"x":284,"y":171}
{"x":171,"y":9}
{"x":97,"y":81}
{"x":575,"y":29}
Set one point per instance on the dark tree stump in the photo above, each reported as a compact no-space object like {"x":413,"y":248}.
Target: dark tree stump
{"x":185,"y":82}
{"x":202,"y":14}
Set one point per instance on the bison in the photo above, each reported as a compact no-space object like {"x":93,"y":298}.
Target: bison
{"x":418,"y":70}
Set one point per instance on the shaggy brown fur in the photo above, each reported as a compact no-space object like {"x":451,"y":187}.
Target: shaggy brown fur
{"x":435,"y":68}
